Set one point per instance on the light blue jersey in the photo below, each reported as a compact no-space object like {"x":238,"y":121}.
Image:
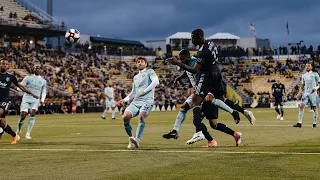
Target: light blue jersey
{"x":310,"y":80}
{"x":37,"y":85}
{"x":140,"y":82}
{"x":109,"y":91}
{"x":191,"y":76}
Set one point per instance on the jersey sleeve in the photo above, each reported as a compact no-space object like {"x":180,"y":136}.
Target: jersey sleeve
{"x":200,"y":57}
{"x":152,"y":74}
{"x":25,"y":81}
{"x":317,"y":77}
{"x":302,"y":80}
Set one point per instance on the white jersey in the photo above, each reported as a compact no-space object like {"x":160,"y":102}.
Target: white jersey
{"x":37,"y":85}
{"x":109,"y":91}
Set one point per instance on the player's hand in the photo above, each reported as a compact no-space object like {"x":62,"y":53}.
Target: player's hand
{"x":172,"y":60}
{"x":209,"y":97}
{"x":121,"y":102}
{"x":141,"y":94}
{"x":35,"y":96}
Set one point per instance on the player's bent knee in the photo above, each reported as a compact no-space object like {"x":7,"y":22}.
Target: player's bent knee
{"x":213,"y":123}
{"x":302,"y":106}
{"x":127,"y":116}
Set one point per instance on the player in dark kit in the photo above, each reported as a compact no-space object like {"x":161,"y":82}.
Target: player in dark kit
{"x":5,"y":83}
{"x":209,"y":77}
{"x":278,"y":91}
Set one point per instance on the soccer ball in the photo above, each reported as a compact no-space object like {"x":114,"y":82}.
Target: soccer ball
{"x":72,"y":36}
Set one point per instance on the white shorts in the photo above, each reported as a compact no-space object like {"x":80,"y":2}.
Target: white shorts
{"x":189,"y":100}
{"x":110,"y":103}
{"x":26,"y":106}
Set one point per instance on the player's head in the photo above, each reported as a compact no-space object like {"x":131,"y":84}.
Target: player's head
{"x":36,"y":69}
{"x":278,"y":80}
{"x":197,"y":37}
{"x":184,"y":56}
{"x":109,"y":84}
{"x":3,"y":65}
{"x":308,"y":67}
{"x":141,"y":62}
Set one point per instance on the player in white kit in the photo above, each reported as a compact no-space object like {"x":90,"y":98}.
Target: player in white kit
{"x":37,"y":85}
{"x":109,"y":101}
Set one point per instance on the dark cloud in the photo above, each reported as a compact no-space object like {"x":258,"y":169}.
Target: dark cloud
{"x":146,"y":19}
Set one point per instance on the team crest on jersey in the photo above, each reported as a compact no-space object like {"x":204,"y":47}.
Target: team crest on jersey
{"x":40,"y":82}
{"x":7,"y":79}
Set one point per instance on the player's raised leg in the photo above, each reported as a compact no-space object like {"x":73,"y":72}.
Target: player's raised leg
{"x":127,"y":125}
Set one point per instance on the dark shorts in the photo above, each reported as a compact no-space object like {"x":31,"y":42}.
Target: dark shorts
{"x":208,"y":83}
{"x":4,"y":105}
{"x":209,"y":110}
{"x":278,"y":101}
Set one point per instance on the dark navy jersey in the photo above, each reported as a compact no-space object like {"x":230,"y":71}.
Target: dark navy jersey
{"x":207,"y":57}
{"x":5,"y":84}
{"x":277,"y":89}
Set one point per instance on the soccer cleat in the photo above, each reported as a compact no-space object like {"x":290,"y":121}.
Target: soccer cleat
{"x":281,"y":119}
{"x":237,"y":137}
{"x":15,"y":139}
{"x":314,"y":125}
{"x":279,"y":116}
{"x":113,"y":118}
{"x":103,"y":117}
{"x":172,"y":134}
{"x":297,"y":125}
{"x":249,"y":115}
{"x":212,"y":143}
{"x":130,"y":145}
{"x":236,"y":117}
{"x":28,"y":136}
{"x":196,"y":137}
{"x":135,"y":142}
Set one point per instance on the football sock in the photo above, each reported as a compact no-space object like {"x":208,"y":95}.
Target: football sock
{"x":128,"y":128}
{"x":179,"y":119}
{"x":234,"y":106}
{"x":197,"y":118}
{"x":300,"y":115}
{"x":140,"y":129}
{"x":20,"y":123}
{"x":8,"y":130}
{"x":31,"y":122}
{"x":113,"y":113}
{"x":206,"y":133}
{"x":104,"y":113}
{"x":277,"y":110}
{"x":315,"y":116}
{"x":223,"y":128}
{"x":222,"y":105}
{"x":282,"y":112}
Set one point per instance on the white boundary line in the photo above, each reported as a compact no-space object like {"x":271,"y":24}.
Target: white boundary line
{"x":166,"y":151}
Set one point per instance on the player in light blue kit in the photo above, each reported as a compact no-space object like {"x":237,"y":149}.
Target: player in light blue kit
{"x":38,"y":86}
{"x":142,"y":94}
{"x":109,"y":95}
{"x":308,"y":94}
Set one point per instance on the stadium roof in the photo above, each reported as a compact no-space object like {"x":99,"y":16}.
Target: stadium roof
{"x":180,"y":35}
{"x":223,"y":36}
{"x":116,"y":41}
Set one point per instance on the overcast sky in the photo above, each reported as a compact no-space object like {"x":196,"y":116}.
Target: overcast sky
{"x":157,"y":19}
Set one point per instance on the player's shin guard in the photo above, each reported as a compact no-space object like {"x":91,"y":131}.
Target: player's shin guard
{"x":277,"y":110}
{"x":234,"y":106}
{"x":223,"y":128}
{"x":300,"y":115}
{"x":31,"y":122}
{"x":222,"y":105}
{"x":197,"y":118}
{"x":315,"y":116}
{"x":282,"y":112}
{"x":140,"y":129}
{"x":180,"y":119}
{"x":8,"y":130}
{"x":20,"y":123}
{"x":128,"y":128}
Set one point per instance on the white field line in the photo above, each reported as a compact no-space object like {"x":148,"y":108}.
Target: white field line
{"x":165,"y":151}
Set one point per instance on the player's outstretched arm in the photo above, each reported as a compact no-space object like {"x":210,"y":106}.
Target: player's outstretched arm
{"x":130,"y":96}
{"x":193,"y":70}
{"x":24,"y":89}
{"x":44,"y":92}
